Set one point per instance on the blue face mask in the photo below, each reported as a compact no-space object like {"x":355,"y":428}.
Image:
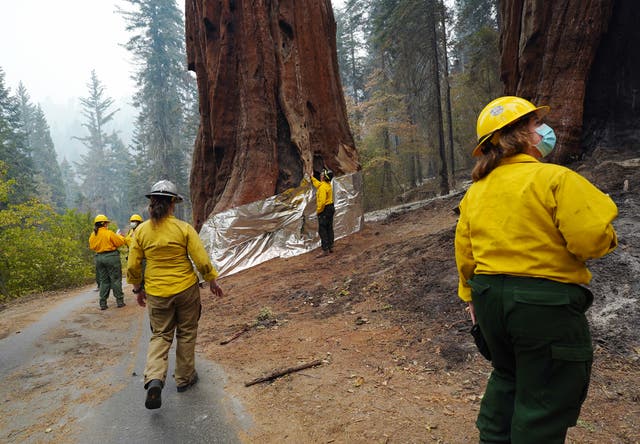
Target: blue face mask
{"x":548,"y":141}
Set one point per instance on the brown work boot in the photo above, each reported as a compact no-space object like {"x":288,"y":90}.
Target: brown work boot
{"x":185,"y":387}
{"x":154,"y":394}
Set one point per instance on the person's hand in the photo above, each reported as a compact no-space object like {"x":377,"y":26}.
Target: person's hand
{"x":472,"y":312}
{"x":307,"y":177}
{"x":141,"y":298}
{"x":215,"y":289}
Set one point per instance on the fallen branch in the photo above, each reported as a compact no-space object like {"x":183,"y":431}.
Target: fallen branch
{"x":280,"y":373}
{"x":235,"y":335}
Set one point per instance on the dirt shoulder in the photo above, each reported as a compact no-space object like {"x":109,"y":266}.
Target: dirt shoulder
{"x":398,"y":363}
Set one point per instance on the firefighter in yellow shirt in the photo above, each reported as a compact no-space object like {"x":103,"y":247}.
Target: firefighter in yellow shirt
{"x":525,"y":232}
{"x":134,"y":221}
{"x":171,"y":248}
{"x":325,"y":210}
{"x":108,"y":267}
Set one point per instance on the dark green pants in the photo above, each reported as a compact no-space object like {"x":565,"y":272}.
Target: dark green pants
{"x":541,"y":353}
{"x":109,"y":273}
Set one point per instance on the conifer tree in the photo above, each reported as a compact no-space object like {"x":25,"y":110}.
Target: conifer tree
{"x":48,"y":179}
{"x":165,"y":90}
{"x":14,"y":149}
{"x":99,"y":181}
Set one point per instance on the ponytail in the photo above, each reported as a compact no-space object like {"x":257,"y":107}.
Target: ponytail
{"x":159,"y":207}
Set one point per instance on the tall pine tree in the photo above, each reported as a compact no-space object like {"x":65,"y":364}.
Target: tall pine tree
{"x":48,"y":178}
{"x":14,"y":148}
{"x":164,"y":134}
{"x":100,"y":181}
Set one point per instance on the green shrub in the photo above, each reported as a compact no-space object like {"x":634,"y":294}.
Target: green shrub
{"x":41,"y":250}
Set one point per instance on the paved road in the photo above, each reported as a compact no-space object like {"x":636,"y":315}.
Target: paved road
{"x":76,"y":376}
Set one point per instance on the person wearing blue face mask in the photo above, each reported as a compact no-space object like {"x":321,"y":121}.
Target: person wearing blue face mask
{"x":525,"y":232}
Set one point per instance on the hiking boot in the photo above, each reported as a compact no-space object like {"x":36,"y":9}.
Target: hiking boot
{"x":185,"y":387}
{"x":103,"y":307}
{"x":121,"y":304}
{"x":323,"y":254}
{"x":154,"y":394}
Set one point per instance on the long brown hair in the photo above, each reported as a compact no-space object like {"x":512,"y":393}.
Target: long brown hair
{"x":159,"y":207}
{"x":97,"y":226}
{"x":506,"y":142}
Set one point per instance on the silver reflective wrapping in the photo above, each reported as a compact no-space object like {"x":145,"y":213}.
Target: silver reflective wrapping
{"x":284,"y":225}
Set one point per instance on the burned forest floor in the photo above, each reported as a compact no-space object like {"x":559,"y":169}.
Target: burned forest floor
{"x":382,"y":315}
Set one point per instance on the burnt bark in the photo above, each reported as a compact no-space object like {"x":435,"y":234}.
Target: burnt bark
{"x":612,"y":99}
{"x":548,"y":49}
{"x":271,"y":101}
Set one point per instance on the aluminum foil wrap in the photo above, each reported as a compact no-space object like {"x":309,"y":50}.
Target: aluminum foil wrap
{"x":284,"y":225}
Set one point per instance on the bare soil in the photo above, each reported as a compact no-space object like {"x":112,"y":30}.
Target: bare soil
{"x":382,"y":315}
{"x":399,"y":365}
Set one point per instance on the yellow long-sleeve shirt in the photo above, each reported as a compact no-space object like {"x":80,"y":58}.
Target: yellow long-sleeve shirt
{"x":105,"y":240}
{"x":167,"y":246}
{"x":528,"y":218}
{"x":324,"y":194}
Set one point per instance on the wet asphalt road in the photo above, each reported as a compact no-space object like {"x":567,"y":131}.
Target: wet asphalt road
{"x":203,"y":414}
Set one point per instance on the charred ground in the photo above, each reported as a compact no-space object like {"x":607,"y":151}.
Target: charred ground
{"x":399,"y":363}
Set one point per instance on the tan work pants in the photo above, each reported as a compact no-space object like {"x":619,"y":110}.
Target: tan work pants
{"x":180,"y":314}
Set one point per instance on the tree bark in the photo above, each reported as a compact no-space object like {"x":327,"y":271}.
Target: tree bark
{"x":271,"y":101}
{"x":547,"y":53}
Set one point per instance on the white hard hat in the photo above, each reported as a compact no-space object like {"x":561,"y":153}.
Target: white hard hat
{"x":165,"y":188}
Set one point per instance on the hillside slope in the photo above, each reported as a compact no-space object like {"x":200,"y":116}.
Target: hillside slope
{"x":383,"y":315}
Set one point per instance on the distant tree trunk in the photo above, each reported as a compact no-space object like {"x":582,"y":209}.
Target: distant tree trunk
{"x":447,"y":92}
{"x":547,"y":53}
{"x":271,"y":102}
{"x":444,"y":176}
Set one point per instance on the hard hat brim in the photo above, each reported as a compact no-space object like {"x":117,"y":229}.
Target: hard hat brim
{"x":177,"y":197}
{"x":541,"y":111}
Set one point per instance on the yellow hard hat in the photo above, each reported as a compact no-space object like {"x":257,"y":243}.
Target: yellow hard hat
{"x":100,"y":218}
{"x":500,"y":113}
{"x":135,"y":218}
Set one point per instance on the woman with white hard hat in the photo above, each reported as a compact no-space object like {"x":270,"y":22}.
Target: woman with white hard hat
{"x":171,"y":248}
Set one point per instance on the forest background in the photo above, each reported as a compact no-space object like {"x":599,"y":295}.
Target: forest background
{"x":415,"y":74}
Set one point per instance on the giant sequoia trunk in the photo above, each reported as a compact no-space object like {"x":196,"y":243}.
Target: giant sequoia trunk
{"x":271,"y":101}
{"x":581,"y":58}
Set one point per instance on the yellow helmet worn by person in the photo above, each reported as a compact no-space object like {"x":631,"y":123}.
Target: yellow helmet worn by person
{"x":502,"y":112}
{"x":100,"y":218}
{"x":135,"y":218}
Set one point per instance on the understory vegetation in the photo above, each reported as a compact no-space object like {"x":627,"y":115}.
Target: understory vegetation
{"x":40,"y":249}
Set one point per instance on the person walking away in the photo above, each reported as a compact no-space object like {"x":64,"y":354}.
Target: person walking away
{"x":107,"y":260}
{"x":525,"y":232}
{"x":325,"y":210}
{"x":171,"y":290}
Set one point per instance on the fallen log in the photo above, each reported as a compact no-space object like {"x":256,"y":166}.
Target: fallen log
{"x":280,"y":373}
